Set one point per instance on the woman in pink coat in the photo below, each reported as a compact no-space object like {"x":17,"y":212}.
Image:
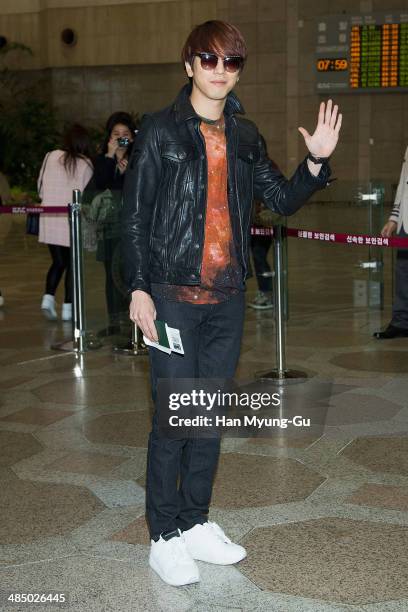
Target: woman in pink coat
{"x":62,"y":171}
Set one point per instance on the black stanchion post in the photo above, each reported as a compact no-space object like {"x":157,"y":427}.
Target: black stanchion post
{"x":279,"y":327}
{"x":280,"y":374}
{"x":81,"y":341}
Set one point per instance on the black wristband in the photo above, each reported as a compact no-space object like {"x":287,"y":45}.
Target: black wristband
{"x":317,"y":160}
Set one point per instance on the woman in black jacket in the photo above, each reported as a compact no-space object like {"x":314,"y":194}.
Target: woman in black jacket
{"x":109,"y":175}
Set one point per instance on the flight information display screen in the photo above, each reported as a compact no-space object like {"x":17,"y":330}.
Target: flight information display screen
{"x":362,"y":53}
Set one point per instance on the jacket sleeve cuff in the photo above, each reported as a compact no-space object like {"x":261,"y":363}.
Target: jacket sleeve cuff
{"x":322,"y":179}
{"x":140,"y":286}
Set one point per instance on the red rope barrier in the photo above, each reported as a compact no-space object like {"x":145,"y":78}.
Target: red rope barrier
{"x":23,"y":210}
{"x":352,"y":239}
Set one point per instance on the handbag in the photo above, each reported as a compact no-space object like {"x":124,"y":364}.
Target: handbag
{"x":33,"y":219}
{"x":97,"y":213}
{"x":102,"y":207}
{"x":33,"y":224}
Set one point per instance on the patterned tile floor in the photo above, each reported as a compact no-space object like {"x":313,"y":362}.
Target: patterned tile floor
{"x":324,"y":518}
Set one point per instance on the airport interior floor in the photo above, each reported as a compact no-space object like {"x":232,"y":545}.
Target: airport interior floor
{"x":324,"y":519}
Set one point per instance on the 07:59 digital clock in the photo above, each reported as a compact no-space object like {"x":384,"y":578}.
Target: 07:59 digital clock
{"x":329,"y":64}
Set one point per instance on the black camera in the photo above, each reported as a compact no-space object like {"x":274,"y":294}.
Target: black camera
{"x":124,"y":141}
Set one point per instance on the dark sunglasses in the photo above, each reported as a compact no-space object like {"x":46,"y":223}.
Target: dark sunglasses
{"x":209,"y":61}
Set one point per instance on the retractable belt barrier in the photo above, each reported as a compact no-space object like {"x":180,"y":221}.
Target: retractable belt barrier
{"x":279,"y":233}
{"x":292,"y":232}
{"x":280,"y":374}
{"x":73,"y":212}
{"x":352,"y":239}
{"x":24,"y":210}
{"x":81,"y":340}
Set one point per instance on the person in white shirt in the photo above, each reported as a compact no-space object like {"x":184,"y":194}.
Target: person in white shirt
{"x":398,"y":222}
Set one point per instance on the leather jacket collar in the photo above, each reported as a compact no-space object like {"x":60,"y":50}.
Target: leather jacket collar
{"x":184,"y":110}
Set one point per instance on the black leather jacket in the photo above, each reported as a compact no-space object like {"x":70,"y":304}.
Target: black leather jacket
{"x":165,"y":192}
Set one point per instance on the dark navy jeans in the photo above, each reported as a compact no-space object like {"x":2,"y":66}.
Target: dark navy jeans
{"x":180,"y":472}
{"x":400,"y":306}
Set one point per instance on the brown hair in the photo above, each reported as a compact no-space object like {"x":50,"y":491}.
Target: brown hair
{"x":76,"y":145}
{"x":214,"y":36}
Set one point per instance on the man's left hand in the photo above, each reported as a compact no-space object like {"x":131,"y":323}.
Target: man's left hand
{"x":324,"y":140}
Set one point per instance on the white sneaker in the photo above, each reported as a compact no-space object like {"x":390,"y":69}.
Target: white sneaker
{"x":263,"y":301}
{"x":209,"y":543}
{"x":66,"y":313}
{"x":48,"y":307}
{"x":171,"y":560}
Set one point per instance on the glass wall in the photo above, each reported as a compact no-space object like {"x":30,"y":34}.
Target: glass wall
{"x":347,"y":275}
{"x":106,"y":299}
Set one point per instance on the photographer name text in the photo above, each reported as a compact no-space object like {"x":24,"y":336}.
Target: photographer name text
{"x":245,"y":421}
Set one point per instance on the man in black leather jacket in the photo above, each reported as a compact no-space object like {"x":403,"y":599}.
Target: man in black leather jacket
{"x":196,"y":168}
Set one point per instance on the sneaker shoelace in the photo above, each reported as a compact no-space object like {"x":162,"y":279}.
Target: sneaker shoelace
{"x":219,"y":532}
{"x":179,"y":550}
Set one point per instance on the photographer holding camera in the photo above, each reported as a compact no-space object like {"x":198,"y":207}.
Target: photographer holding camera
{"x":107,"y":183}
{"x":110,"y":165}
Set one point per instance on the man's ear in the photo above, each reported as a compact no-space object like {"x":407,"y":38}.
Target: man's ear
{"x":188,"y":69}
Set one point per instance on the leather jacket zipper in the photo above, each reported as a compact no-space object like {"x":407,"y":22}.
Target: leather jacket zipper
{"x":237,"y":196}
{"x":204,"y":149}
{"x":166,"y":240}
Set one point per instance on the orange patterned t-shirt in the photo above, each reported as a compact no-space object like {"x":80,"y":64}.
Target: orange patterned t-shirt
{"x":221,"y":275}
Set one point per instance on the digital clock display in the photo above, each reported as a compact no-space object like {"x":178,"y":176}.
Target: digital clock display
{"x":325,"y":64}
